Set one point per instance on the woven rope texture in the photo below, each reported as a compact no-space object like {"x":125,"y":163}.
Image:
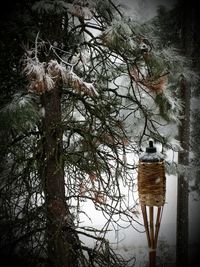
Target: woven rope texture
{"x":151,"y":183}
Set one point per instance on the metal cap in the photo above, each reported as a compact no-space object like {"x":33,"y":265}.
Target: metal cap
{"x":151,"y":154}
{"x":151,"y":148}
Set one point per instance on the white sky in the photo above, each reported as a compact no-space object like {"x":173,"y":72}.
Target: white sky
{"x":144,"y":9}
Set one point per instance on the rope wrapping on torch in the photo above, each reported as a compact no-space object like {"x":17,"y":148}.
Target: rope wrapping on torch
{"x":151,"y":183}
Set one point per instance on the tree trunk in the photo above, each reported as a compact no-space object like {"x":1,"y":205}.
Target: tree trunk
{"x":182,"y":196}
{"x":62,"y":243}
{"x":182,"y":244}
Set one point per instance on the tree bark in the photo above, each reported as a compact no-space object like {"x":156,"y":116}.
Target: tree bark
{"x":182,"y":194}
{"x":62,"y":243}
{"x":187,"y":38}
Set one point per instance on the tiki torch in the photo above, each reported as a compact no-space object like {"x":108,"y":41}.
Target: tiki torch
{"x":151,"y":189}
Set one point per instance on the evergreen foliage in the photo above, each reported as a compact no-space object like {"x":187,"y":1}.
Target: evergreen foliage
{"x":170,"y":28}
{"x":118,"y":88}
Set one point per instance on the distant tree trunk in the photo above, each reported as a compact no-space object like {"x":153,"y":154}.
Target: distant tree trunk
{"x":182,"y":244}
{"x":62,"y":242}
{"x":182,"y":196}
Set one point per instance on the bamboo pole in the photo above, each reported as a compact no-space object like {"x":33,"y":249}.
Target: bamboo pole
{"x":152,"y":249}
{"x":152,"y":230}
{"x":158,"y":220}
{"x":152,"y":258}
{"x":151,"y":225}
{"x":144,"y":213}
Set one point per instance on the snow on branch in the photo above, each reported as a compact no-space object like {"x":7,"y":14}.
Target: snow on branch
{"x":157,"y":85}
{"x":79,"y":11}
{"x":43,"y":76}
{"x":80,"y":86}
{"x":77,"y":8}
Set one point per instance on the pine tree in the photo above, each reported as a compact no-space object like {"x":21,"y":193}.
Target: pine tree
{"x":180,"y":26}
{"x":92,"y":88}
